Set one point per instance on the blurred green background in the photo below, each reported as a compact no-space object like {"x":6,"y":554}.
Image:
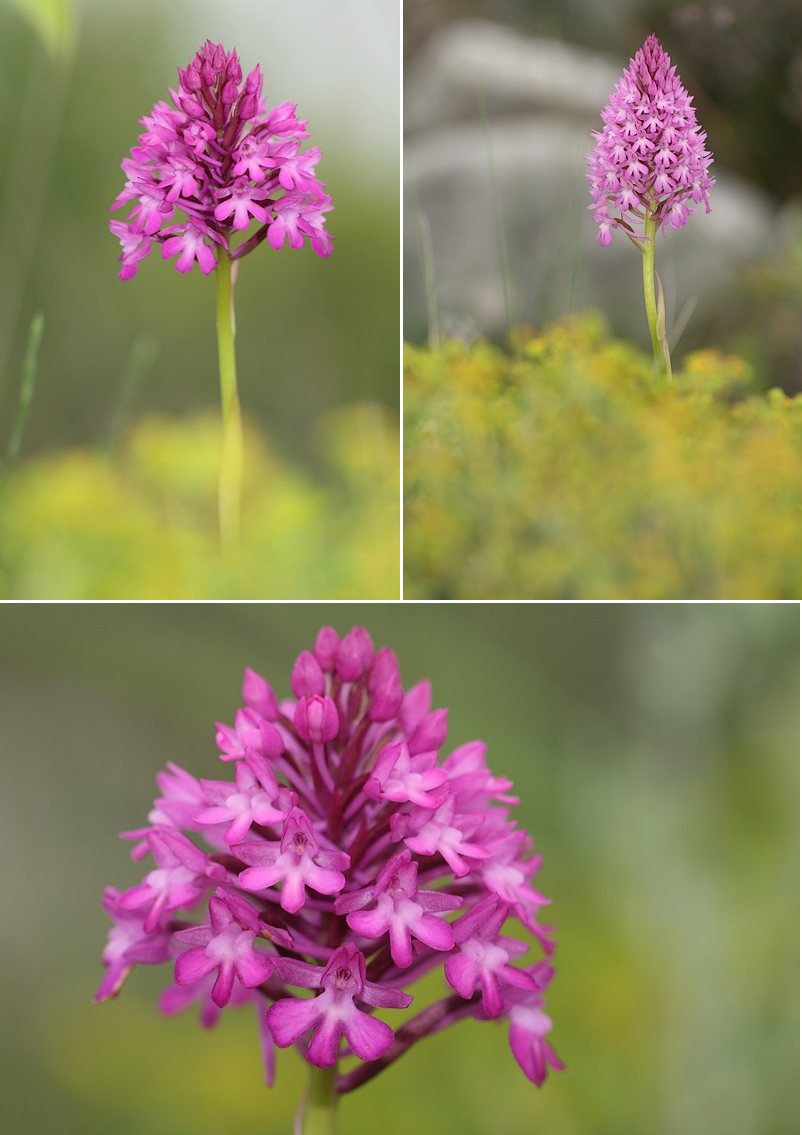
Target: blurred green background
{"x":655,"y":748}
{"x":312,"y":334}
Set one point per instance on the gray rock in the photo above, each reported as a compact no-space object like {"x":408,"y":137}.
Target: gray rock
{"x":475,"y":59}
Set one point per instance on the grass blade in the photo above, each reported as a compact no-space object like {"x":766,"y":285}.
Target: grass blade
{"x":29,"y":371}
{"x":143,"y":355}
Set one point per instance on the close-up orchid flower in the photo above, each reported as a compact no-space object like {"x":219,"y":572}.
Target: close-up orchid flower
{"x":209,"y":165}
{"x":349,"y":858}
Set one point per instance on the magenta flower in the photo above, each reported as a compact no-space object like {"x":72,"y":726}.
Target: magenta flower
{"x":256,"y":799}
{"x":129,"y":943}
{"x":219,"y":156}
{"x":297,"y":861}
{"x":529,"y":1027}
{"x":650,"y":158}
{"x":649,"y":166}
{"x":225,"y":945}
{"x":345,"y":856}
{"x":333,"y":1013}
{"x":401,"y":911}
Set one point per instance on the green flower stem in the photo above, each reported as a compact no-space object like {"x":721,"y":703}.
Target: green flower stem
{"x":650,"y":229}
{"x":655,"y":304}
{"x":231,"y":459}
{"x":320,"y":1105}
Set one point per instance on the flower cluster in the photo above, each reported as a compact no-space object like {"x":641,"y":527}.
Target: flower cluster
{"x":213,"y":163}
{"x":345,"y":857}
{"x":650,"y":158}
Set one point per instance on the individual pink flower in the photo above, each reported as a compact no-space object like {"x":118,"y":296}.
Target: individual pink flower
{"x":297,"y":861}
{"x":442,"y":833}
{"x":401,"y":911}
{"x":179,"y":880}
{"x":297,"y":220}
{"x":225,"y":945}
{"x":256,"y":799}
{"x":348,"y":855}
{"x":240,"y":201}
{"x":189,"y":243}
{"x":333,"y":1013}
{"x":135,"y":246}
{"x":482,"y":961}
{"x":399,"y":777}
{"x":252,"y":732}
{"x":129,"y":944}
{"x":530,"y":1025}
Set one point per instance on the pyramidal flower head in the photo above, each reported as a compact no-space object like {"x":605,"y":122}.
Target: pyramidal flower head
{"x":213,"y":162}
{"x":650,"y":159}
{"x":344,"y":857}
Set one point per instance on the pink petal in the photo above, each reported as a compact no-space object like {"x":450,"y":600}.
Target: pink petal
{"x":371,"y":923}
{"x":192,"y":966}
{"x":259,"y":878}
{"x":290,"y":1018}
{"x":293,"y":893}
{"x":218,"y":815}
{"x":368,"y":1037}
{"x":383,"y":998}
{"x":461,"y":974}
{"x":324,"y":881}
{"x":112,"y":983}
{"x":434,"y":932}
{"x":239,"y":828}
{"x":323,"y":1046}
{"x":221,"y":991}
{"x":207,"y":261}
{"x":400,"y":945}
{"x":253,"y":968}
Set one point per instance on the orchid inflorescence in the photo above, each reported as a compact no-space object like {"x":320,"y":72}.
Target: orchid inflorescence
{"x":648,"y":168}
{"x":650,"y":158}
{"x":218,"y":156}
{"x":344,"y":857}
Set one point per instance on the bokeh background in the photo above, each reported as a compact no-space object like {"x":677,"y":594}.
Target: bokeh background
{"x":500,"y":100}
{"x":655,"y":749}
{"x":315,"y":337}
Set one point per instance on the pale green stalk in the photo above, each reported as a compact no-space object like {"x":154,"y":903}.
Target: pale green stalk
{"x":230,"y":490}
{"x":655,"y":304}
{"x":320,"y":1106}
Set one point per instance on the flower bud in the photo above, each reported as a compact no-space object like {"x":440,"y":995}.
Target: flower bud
{"x":233,"y":68}
{"x":384,"y":685}
{"x":317,"y":720}
{"x":326,"y":645}
{"x":307,"y":677}
{"x":258,"y":695}
{"x":354,"y":655}
{"x":430,"y":733}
